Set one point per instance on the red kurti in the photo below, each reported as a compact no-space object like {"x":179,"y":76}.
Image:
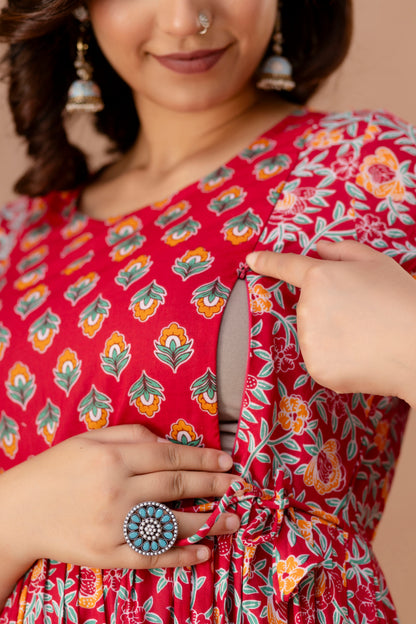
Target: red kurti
{"x":106,"y":323}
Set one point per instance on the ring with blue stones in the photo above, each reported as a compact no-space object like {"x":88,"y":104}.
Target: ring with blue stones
{"x":150,"y":528}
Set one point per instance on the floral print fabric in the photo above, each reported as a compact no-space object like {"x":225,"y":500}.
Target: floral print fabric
{"x":104,"y":323}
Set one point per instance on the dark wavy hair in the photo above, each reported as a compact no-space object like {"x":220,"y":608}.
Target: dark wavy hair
{"x":39,"y":67}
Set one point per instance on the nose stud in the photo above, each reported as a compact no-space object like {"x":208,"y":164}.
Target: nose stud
{"x":204,"y":23}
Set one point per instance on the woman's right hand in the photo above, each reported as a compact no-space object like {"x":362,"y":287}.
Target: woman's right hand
{"x":69,"y":502}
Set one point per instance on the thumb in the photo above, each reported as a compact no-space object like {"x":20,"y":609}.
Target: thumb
{"x":345,"y":250}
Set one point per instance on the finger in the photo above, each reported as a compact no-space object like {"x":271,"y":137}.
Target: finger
{"x":181,"y":556}
{"x":123,"y":433}
{"x":154,"y":457}
{"x":345,"y":250}
{"x":178,"y":485}
{"x":291,"y":268}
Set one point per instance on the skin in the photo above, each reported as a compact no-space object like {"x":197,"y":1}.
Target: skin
{"x":189,"y":125}
{"x":344,"y":317}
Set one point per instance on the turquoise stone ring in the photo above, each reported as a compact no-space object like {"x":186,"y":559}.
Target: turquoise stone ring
{"x":150,"y":528}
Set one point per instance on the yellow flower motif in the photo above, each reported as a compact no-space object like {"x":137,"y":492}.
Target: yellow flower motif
{"x":326,"y":138}
{"x":210,"y":308}
{"x":249,"y":553}
{"x":143,"y":312}
{"x":182,"y":429}
{"x":76,"y":243}
{"x":10,"y":445}
{"x":67,"y":361}
{"x":22,"y":605}
{"x":236,"y":237}
{"x":217,"y":616}
{"x":289,"y":573}
{"x":380,"y":175}
{"x":42,"y":340}
{"x":31,"y":278}
{"x":200,"y":254}
{"x":91,"y":590}
{"x":91,"y":327}
{"x":293,"y":414}
{"x":371,"y":132}
{"x":96,"y":420}
{"x":207,"y":404}
{"x":381,"y":436}
{"x":273,"y":616}
{"x":148,"y":408}
{"x":114,"y":344}
{"x":48,"y":432}
{"x":260,"y":299}
{"x":175,"y":333}
{"x":19,"y":372}
{"x":175,"y":239}
{"x":325,"y":471}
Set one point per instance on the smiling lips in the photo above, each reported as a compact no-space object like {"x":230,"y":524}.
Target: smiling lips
{"x":191,"y":62}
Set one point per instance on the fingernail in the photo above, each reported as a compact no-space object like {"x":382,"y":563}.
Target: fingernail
{"x":203,"y":554}
{"x":232,"y":523}
{"x":225,"y":461}
{"x":251,"y":258}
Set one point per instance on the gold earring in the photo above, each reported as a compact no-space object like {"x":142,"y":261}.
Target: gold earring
{"x":276,"y":71}
{"x":84,"y":94}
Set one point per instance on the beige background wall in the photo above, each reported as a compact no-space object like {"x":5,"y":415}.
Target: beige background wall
{"x":381,"y":73}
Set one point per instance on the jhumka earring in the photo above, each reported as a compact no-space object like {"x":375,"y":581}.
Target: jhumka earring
{"x":276,"y":71}
{"x":84,"y":94}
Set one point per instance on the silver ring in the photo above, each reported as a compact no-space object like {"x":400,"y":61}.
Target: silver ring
{"x":150,"y":528}
{"x":204,"y":23}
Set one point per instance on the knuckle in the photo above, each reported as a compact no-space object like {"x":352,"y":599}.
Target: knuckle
{"x":138,"y":432}
{"x":173,"y":456}
{"x":178,"y":483}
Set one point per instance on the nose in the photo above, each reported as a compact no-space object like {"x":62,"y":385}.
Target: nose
{"x":180,"y":17}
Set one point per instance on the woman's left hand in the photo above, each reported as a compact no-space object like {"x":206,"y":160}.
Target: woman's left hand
{"x":356,"y":317}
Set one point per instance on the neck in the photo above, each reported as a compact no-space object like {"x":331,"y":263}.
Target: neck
{"x":168,"y":138}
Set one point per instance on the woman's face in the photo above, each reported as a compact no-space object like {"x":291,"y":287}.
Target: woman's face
{"x":143,"y":38}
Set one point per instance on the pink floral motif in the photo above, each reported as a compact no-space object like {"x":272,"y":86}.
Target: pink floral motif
{"x":284,"y":355}
{"x":346,"y":166}
{"x":132,"y":613}
{"x":369,"y":228}
{"x":112,"y":578}
{"x":366,"y":603}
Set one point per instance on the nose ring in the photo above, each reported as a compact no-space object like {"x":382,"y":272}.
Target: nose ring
{"x":204,"y":23}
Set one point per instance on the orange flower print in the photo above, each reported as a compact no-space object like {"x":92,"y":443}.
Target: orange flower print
{"x":276,"y":614}
{"x":22,"y":605}
{"x":193,"y":262}
{"x":127,"y":247}
{"x":92,"y":318}
{"x":325,"y":471}
{"x":289,"y":574}
{"x":382,"y":435}
{"x":43,"y":331}
{"x":133,"y":271}
{"x":227,"y":200}
{"x":36,"y":256}
{"x":67,"y":371}
{"x":146,"y":394}
{"x":34,"y":237}
{"x":116,"y":355}
{"x":31,"y":277}
{"x":77,"y":264}
{"x":94,"y":409}
{"x":181,"y":232}
{"x":47,"y":422}
{"x":216,"y":179}
{"x":242,"y":228}
{"x":81,"y":287}
{"x":31,"y":300}
{"x":173,"y":213}
{"x":218,"y":619}
{"x":9,"y":436}
{"x":271,"y":167}
{"x":91,"y":588}
{"x":123,"y":229}
{"x":20,"y":385}
{"x":257,"y":148}
{"x":210,"y":298}
{"x":371,"y":132}
{"x":260,"y":299}
{"x":146,"y":302}
{"x":173,"y":347}
{"x":380,"y":175}
{"x":205,"y":392}
{"x":75,"y":226}
{"x":294,"y":414}
{"x":326,"y":138}
{"x":76,"y":244}
{"x":184,"y":433}
{"x":4,"y":340}
{"x":249,"y":552}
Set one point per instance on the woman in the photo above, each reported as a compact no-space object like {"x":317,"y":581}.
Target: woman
{"x":124,"y":370}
